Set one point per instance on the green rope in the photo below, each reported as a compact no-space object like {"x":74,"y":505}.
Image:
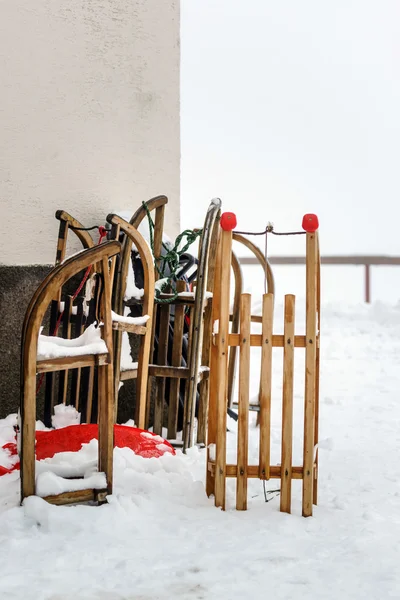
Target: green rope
{"x":171,"y":258}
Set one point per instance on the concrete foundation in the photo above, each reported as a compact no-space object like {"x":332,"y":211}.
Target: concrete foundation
{"x":17,"y":285}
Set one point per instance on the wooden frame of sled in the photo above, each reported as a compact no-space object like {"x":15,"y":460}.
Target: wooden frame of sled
{"x":169,"y":347}
{"x":81,"y":383}
{"x":217,"y":469}
{"x":30,"y":366}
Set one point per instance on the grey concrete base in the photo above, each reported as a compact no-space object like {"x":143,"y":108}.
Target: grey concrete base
{"x":17,"y":285}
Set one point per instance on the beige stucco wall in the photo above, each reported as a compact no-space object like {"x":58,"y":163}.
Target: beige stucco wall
{"x":89,"y":115}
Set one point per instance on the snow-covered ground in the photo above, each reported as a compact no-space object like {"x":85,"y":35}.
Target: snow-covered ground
{"x":160,"y":537}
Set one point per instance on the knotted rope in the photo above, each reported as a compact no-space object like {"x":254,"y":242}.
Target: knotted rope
{"x":170,"y":259}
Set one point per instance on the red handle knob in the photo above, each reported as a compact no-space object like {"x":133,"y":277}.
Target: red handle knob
{"x":310,"y":223}
{"x":228,"y":221}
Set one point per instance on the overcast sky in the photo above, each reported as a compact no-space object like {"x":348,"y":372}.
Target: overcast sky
{"x":291,"y":107}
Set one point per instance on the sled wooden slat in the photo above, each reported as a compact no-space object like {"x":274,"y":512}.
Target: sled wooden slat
{"x":254,"y":318}
{"x":235,"y":319}
{"x":317,"y":369}
{"x":266,"y":386}
{"x":310,"y":371}
{"x":160,"y":385}
{"x":164,"y":371}
{"x":244,"y":398}
{"x":204,"y":388}
{"x":78,"y":496}
{"x":180,"y":300}
{"x":128,"y":374}
{"x":50,"y":391}
{"x":256,"y":340}
{"x":76,"y":374}
{"x":162,"y":352}
{"x":287,"y":406}
{"x":158,"y":232}
{"x":115,"y":232}
{"x":252,"y":471}
{"x":186,"y":408}
{"x":129,"y":327}
{"x":89,"y":404}
{"x":222,"y":365}
{"x":174,"y":372}
{"x":151,"y":362}
{"x":176,"y":362}
{"x":213,"y":390}
{"x":86,"y":394}
{"x":72,"y":362}
{"x":66,"y":333}
{"x":186,"y":300}
{"x":106,"y":386}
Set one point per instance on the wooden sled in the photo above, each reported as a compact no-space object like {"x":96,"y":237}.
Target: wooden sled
{"x":103,"y":363}
{"x":217,"y":468}
{"x":172,"y":362}
{"x":82,"y":384}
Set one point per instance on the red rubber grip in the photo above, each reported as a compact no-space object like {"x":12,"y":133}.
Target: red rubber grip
{"x":228,"y":221}
{"x":310,"y":223}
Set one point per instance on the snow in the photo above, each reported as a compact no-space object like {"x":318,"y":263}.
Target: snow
{"x":159,"y":284}
{"x":163,"y":447}
{"x":74,"y":309}
{"x":131,"y":291}
{"x":130,"y":320}
{"x":65,"y":415}
{"x":90,"y":342}
{"x":151,"y":436}
{"x":160,"y":537}
{"x":207,"y":295}
{"x":127,"y":363}
{"x":49,"y":483}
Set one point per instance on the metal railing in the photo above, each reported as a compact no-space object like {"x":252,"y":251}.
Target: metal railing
{"x":366,"y":261}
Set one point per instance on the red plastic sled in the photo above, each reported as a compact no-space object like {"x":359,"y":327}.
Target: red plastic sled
{"x":72,"y":438}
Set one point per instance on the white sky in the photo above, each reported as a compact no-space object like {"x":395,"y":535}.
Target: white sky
{"x":291,"y":107}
